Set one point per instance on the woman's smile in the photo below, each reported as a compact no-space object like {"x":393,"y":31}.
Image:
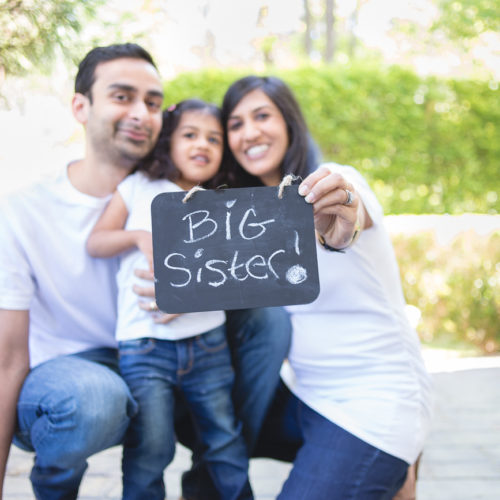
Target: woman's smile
{"x":258,"y":136}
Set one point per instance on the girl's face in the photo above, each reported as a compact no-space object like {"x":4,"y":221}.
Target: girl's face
{"x":196,"y":148}
{"x":258,"y":137}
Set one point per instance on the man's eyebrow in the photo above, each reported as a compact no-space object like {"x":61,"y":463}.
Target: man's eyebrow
{"x":130,"y":88}
{"x":122,"y":86}
{"x":155,"y":93}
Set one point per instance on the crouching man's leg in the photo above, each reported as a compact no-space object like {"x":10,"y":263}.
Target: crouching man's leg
{"x":69,"y":409}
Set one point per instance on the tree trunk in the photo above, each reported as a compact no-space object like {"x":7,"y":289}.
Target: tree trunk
{"x":330,"y":31}
{"x":308,"y":23}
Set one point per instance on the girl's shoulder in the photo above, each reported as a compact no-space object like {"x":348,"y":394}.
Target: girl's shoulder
{"x":138,"y":185}
{"x":140,"y":178}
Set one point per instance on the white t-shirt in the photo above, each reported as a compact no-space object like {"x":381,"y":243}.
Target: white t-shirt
{"x":45,"y":268}
{"x":138,"y":191}
{"x":354,"y":357}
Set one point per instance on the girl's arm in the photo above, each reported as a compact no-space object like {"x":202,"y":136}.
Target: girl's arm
{"x":108,"y":238}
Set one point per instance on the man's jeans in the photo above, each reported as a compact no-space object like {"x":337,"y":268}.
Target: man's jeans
{"x":200,"y":369}
{"x":70,"y":408}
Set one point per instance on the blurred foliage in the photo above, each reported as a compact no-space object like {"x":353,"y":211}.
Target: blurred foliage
{"x":467,"y":19}
{"x":456,"y":287}
{"x":32,"y":31}
{"x":427,"y":145}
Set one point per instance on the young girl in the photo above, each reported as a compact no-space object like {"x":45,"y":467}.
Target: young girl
{"x":188,"y":354}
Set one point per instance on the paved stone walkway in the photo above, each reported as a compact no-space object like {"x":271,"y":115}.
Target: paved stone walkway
{"x":461,"y":460}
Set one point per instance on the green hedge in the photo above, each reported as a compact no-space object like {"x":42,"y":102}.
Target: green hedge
{"x":456,"y":287}
{"x":427,"y":145}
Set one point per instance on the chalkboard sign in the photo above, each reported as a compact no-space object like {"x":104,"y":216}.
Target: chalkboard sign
{"x":233,"y":249}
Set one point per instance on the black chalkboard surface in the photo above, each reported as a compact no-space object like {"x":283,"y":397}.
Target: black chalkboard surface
{"x":233,"y":249}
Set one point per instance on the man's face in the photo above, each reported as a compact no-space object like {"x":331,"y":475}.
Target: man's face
{"x":124,"y":115}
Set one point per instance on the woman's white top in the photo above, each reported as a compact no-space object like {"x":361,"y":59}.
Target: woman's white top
{"x":355,"y":358}
{"x":138,"y":191}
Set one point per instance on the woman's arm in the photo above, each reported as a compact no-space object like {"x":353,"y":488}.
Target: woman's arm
{"x":337,"y":223}
{"x":108,"y":238}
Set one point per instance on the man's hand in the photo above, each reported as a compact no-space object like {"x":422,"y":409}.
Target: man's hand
{"x":144,"y":242}
{"x":148,"y":292}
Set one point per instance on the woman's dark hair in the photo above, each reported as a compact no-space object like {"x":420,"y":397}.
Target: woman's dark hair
{"x":158,"y":164}
{"x":86,"y":70}
{"x":301,"y":156}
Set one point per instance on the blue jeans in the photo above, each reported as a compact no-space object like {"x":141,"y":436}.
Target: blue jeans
{"x":328,"y":462}
{"x":259,"y":340}
{"x":200,"y":369}
{"x":70,"y":408}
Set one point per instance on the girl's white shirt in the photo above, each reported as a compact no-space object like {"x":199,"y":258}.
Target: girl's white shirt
{"x":138,"y":191}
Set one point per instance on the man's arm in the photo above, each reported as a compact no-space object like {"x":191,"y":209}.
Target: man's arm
{"x":14,"y":366}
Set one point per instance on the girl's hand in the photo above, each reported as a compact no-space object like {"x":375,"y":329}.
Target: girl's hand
{"x":338,"y":210}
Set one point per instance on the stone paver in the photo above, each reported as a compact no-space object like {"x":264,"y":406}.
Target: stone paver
{"x":461,"y":460}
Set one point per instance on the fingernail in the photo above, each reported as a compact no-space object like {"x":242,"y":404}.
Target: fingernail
{"x":310,"y":197}
{"x":303,"y":189}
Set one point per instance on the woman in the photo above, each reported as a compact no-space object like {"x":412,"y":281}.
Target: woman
{"x":356,"y":396}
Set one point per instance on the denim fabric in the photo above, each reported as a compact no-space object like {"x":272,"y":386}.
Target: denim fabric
{"x":329,"y":461}
{"x":70,"y":408}
{"x":200,"y":369}
{"x":259,"y":340}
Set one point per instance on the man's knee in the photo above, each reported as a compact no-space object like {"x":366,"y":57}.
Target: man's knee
{"x":65,"y":419}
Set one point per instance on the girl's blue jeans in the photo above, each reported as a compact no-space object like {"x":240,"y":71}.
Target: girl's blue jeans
{"x":198,"y":369}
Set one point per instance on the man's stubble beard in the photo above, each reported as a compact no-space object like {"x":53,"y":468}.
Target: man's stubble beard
{"x":118,"y":154}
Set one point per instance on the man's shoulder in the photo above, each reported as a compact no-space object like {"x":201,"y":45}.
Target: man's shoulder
{"x":34,"y":194}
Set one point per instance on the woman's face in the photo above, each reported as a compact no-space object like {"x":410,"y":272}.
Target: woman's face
{"x":258,"y":136}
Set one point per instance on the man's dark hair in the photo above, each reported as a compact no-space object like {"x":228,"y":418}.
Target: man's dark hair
{"x":86,"y":70}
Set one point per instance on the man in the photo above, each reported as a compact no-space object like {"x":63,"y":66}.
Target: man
{"x":59,"y":301}
{"x":58,"y":306}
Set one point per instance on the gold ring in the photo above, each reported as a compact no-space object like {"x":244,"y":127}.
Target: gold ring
{"x":153,"y":306}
